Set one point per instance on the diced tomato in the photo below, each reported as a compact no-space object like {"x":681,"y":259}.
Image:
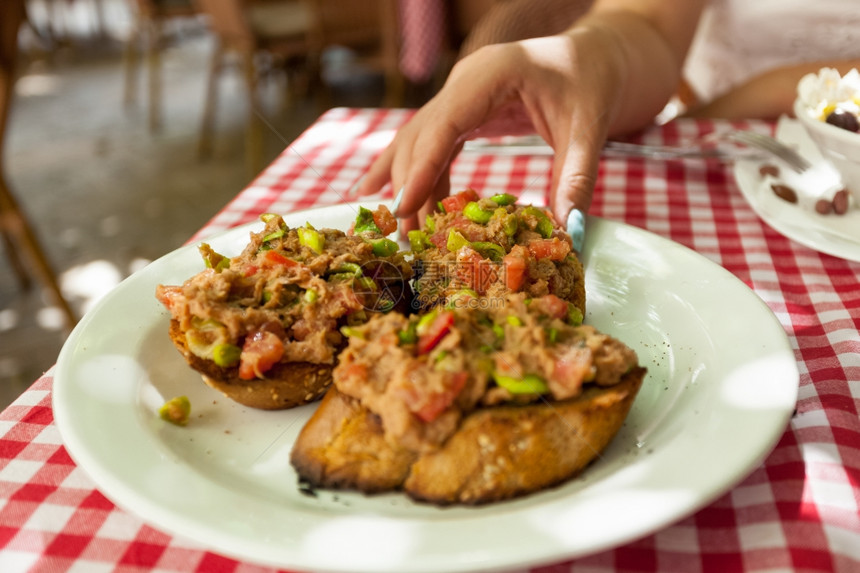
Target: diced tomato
{"x":251,"y":270}
{"x":275,"y":259}
{"x":169,"y":296}
{"x":440,"y":239}
{"x":552,"y":306}
{"x":435,"y":332}
{"x":346,"y":298}
{"x":476,"y":271}
{"x":553,"y":249}
{"x":460,"y":200}
{"x":570,"y":370}
{"x":515,"y":264}
{"x":261,"y":351}
{"x":386,"y":222}
{"x":429,"y":406}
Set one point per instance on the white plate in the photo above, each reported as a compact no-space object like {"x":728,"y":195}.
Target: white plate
{"x":722,"y":383}
{"x":837,"y":235}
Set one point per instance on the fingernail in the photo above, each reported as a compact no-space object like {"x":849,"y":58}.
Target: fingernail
{"x":576,"y":228}
{"x":395,"y":205}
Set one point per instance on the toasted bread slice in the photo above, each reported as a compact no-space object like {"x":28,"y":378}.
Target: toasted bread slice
{"x":343,"y":447}
{"x":286,"y":385}
{"x":497,"y":453}
{"x":508,"y":451}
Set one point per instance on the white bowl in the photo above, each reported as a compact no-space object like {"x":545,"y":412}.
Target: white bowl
{"x":840,"y":146}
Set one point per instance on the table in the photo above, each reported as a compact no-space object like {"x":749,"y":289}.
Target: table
{"x":797,"y":511}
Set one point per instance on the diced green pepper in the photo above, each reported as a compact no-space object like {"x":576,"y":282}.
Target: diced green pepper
{"x":552,"y":335}
{"x":408,"y":336}
{"x":266,"y":217}
{"x":417,"y":240}
{"x":430,"y":223}
{"x":544,"y":225}
{"x":351,"y":331}
{"x":425,"y":321}
{"x":311,"y":296}
{"x":176,"y":411}
{"x":514,"y":320}
{"x":441,"y":207}
{"x":213,"y":260}
{"x":529,"y":384}
{"x":504,"y":199}
{"x":383,"y":247}
{"x":462,"y":294}
{"x":364,"y":222}
{"x":474,"y":212}
{"x":511,"y":225}
{"x":499,"y":331}
{"x":312,"y":239}
{"x":574,"y":315}
{"x":366,"y":284}
{"x":351,"y":268}
{"x":226,"y":355}
{"x":456,"y":241}
{"x":490,"y":251}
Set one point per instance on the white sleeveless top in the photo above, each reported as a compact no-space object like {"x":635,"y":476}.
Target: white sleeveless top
{"x":739,"y":39}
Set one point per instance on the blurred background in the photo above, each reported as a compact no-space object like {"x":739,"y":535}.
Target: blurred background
{"x":130,"y":123}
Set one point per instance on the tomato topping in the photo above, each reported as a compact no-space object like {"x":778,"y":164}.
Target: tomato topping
{"x":168,"y":295}
{"x":553,"y":249}
{"x":274,"y":259}
{"x":386,"y":222}
{"x":552,"y":306}
{"x":429,"y":406}
{"x":261,"y":351}
{"x":570,"y":370}
{"x":477,"y":272}
{"x":435,"y":331}
{"x":515,"y":264}
{"x":460,"y":200}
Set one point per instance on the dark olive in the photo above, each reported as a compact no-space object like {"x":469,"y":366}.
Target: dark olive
{"x":843,"y":119}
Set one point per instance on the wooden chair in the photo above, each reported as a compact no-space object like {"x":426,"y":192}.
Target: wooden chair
{"x":297,"y":30}
{"x":147,"y":36}
{"x":18,"y":236}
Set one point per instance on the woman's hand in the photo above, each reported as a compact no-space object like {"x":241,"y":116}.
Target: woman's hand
{"x":553,"y":85}
{"x":610,"y":73}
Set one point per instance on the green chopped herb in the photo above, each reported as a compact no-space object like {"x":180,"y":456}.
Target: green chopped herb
{"x":475,"y":213}
{"x":312,"y":239}
{"x":490,"y":251}
{"x":383,"y":247}
{"x":456,"y":241}
{"x":504,"y":199}
{"x":529,"y":384}
{"x":226,"y":355}
{"x":364,"y":221}
{"x":417,"y":240}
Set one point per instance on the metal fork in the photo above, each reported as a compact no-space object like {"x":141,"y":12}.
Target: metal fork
{"x":772,"y":146}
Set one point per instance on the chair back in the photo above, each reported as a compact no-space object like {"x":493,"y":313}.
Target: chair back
{"x":229,"y":21}
{"x":12,"y":15}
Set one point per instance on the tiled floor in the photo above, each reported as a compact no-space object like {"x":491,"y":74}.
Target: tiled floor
{"x":104,"y":194}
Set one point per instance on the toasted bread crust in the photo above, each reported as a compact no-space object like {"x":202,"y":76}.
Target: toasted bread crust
{"x":286,"y":385}
{"x":497,"y":453}
{"x":342,"y":447}
{"x":508,"y":451}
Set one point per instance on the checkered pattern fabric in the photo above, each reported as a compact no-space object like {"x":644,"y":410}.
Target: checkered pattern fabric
{"x":797,"y":511}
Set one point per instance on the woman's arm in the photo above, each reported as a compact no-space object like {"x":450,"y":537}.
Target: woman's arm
{"x":611,"y":72}
{"x":767,"y":95}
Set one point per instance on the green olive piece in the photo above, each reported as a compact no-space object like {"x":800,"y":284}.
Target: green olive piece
{"x":176,"y":411}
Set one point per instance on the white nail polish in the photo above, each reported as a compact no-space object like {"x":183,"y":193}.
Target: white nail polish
{"x":395,"y":205}
{"x":576,"y":228}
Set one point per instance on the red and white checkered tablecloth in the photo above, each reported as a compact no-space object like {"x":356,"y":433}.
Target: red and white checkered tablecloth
{"x":797,"y":511}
